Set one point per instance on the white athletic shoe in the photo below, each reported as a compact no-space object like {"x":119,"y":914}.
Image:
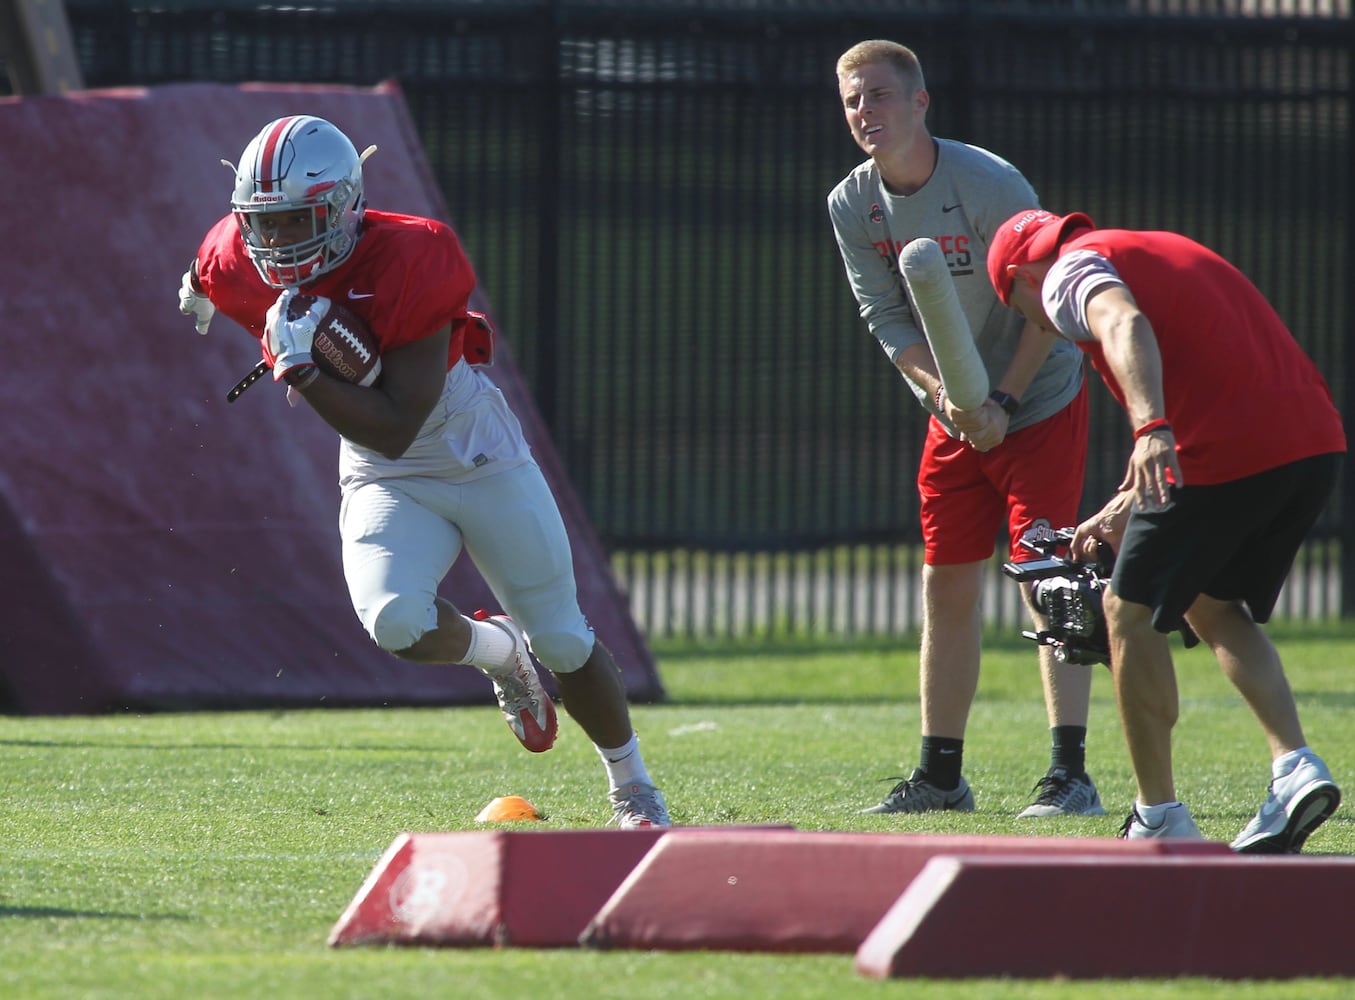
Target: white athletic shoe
{"x":1298,"y":802}
{"x":1177,"y":824}
{"x":526,"y":707}
{"x":638,"y":807}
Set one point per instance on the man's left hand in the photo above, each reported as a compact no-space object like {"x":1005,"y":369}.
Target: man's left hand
{"x":1106,"y":525}
{"x":195,"y":303}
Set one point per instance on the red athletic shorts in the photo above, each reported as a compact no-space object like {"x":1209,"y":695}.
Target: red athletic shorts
{"x":1034,"y":477}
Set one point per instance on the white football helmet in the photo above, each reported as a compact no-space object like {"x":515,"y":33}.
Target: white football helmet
{"x":300,"y":163}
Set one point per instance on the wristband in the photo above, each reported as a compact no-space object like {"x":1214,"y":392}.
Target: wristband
{"x":1152,"y":427}
{"x":1009,"y":403}
{"x":301,"y":376}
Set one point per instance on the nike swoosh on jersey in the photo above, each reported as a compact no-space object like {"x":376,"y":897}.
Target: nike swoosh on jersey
{"x":950,"y":208}
{"x":360,"y":295}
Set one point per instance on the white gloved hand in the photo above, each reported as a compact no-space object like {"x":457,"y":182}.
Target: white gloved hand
{"x":287,"y":342}
{"x":195,"y":303}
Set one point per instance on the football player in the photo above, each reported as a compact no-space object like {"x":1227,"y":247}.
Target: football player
{"x":431,"y":457}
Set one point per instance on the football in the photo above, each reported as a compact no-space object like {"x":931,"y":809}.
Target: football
{"x":344,"y":345}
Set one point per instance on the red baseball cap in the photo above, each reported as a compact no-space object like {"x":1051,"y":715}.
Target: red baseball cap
{"x":1033,"y":234}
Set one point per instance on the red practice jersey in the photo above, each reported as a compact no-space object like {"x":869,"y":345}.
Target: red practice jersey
{"x":407,"y":277}
{"x":1240,"y":394}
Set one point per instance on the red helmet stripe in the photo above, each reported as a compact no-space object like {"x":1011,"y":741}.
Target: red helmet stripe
{"x":268,"y":167}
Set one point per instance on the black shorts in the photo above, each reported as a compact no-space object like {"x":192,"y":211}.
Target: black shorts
{"x":1234,"y":541}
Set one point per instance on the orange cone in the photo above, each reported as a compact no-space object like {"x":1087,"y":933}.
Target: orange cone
{"x":508,"y":809}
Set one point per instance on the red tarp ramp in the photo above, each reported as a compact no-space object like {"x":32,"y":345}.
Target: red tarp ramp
{"x":750,"y":890}
{"x":529,"y":890}
{"x":163,"y":549}
{"x":534,"y":889}
{"x":1118,"y":917}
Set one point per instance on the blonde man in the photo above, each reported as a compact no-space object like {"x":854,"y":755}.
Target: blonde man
{"x":1015,"y":463}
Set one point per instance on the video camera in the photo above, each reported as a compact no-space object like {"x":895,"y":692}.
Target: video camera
{"x":1068,"y":594}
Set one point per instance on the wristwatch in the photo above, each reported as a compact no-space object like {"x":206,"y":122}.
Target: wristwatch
{"x":1005,"y":400}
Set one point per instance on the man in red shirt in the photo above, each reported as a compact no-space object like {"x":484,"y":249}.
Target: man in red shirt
{"x":1237,"y":447}
{"x":431,"y":457}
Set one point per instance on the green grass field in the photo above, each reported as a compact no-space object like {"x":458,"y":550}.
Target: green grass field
{"x":208,"y":855}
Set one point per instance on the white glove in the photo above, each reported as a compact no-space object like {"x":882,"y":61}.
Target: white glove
{"x":287,"y":342}
{"x":194,"y":303}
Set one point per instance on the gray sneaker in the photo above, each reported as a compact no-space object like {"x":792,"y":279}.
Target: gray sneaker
{"x":1298,"y":802}
{"x":1177,"y":824}
{"x":915,"y":794}
{"x":1060,"y":795}
{"x":638,"y":807}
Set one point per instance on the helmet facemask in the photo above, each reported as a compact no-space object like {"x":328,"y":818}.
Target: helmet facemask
{"x":300,"y":165}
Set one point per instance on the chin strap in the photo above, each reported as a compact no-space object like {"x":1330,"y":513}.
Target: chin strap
{"x":258,"y":372}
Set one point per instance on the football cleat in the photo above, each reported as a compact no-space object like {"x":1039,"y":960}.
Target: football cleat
{"x":638,"y":807}
{"x":526,"y":707}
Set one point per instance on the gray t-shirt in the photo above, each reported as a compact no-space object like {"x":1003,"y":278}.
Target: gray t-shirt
{"x":970,"y":193}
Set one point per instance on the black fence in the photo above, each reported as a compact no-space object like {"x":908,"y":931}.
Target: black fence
{"x":641,"y":187}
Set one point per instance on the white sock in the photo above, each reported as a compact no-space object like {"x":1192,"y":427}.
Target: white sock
{"x":490,"y":649}
{"x":624,"y":764}
{"x":1153,"y":815}
{"x":1284,"y":763}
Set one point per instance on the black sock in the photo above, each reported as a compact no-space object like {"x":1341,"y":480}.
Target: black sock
{"x":1069,"y":750}
{"x":942,"y":759}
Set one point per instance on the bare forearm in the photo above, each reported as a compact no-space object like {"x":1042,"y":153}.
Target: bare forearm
{"x":1132,"y":355}
{"x":919,"y":366}
{"x":365,"y":416}
{"x":1031,"y":351}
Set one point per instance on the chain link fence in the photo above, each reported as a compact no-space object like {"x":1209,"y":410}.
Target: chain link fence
{"x":641,"y":188}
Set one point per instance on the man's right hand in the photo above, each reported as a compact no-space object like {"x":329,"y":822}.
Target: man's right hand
{"x":984,"y":429}
{"x":287,"y":342}
{"x":1106,"y":525}
{"x":195,"y":303}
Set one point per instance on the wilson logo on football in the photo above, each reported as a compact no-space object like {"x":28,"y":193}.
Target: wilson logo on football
{"x":343,"y":345}
{"x":337,"y":362}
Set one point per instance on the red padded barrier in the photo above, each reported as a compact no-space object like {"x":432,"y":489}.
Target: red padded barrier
{"x":1233,"y":917}
{"x":801,"y":892}
{"x":535,"y":889}
{"x":163,"y":549}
